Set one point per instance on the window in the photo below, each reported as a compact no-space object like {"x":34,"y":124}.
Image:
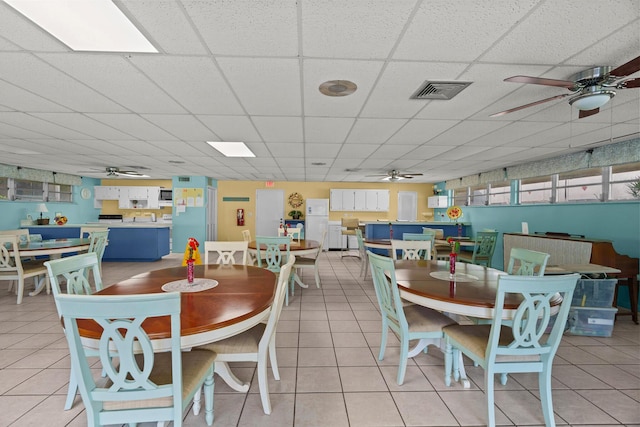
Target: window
{"x":4,"y":188}
{"x":59,"y":193}
{"x":460,"y":196}
{"x":622,"y":178}
{"x":500,"y":193}
{"x":536,"y":190}
{"x":28,"y":190}
{"x":479,"y":196}
{"x":584,"y":186}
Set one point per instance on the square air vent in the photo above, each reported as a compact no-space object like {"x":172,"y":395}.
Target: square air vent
{"x":439,"y":90}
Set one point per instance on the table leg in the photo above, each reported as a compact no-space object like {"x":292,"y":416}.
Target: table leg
{"x":42,"y":280}
{"x":222,"y":369}
{"x":297,"y":279}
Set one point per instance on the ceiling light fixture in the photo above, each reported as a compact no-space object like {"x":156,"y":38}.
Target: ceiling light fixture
{"x":591,"y":98}
{"x":337,"y":88}
{"x":96,"y":25}
{"x":232,"y":149}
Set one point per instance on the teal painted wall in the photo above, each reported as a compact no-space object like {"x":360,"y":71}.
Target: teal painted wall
{"x":77,"y":212}
{"x":192,"y":222}
{"x":615,"y":221}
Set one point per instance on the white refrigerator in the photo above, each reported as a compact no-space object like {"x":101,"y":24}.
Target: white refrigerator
{"x":317,"y":220}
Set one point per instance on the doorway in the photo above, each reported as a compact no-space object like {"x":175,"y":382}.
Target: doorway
{"x":269,"y":211}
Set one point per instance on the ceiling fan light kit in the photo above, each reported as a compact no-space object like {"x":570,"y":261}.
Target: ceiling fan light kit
{"x":591,"y":88}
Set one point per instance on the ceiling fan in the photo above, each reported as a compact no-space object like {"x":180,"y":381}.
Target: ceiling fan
{"x":394,"y":175}
{"x":590,"y":89}
{"x":114,"y":171}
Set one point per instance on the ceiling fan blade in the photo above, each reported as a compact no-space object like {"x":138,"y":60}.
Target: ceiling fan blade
{"x":627,"y":69}
{"x":410,"y":175}
{"x":631,"y":83}
{"x":541,"y":81}
{"x":587,"y":113}
{"x":522,"y":107}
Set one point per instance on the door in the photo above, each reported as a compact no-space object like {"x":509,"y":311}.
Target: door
{"x":269,"y":211}
{"x":407,"y":205}
{"x":212,"y":213}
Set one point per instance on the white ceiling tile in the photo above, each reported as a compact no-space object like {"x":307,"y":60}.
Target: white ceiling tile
{"x":52,"y":84}
{"x":274,"y":90}
{"x":465,"y":132}
{"x":115,"y":78}
{"x":319,"y":152}
{"x":374,"y":130}
{"x":53,"y":130}
{"x":135,"y":126}
{"x":357,"y":151}
{"x":288,"y":150}
{"x":545,"y":36}
{"x":327,"y":129}
{"x":83,"y":124}
{"x":15,"y":98}
{"x":458,"y":30}
{"x":353,"y":29}
{"x":184,"y":127}
{"x":616,"y":49}
{"x":166,"y":26}
{"x":511,"y":132}
{"x":194,"y":82}
{"x":279,"y":129}
{"x":231,"y":128}
{"x":389,"y":151}
{"x":421,"y":131}
{"x":247,"y":28}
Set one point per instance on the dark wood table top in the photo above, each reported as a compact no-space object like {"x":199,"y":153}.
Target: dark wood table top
{"x":474,"y":294}
{"x":241,"y":299}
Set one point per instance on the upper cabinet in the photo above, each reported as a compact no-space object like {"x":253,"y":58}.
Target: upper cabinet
{"x":437,"y":202}
{"x":128,"y":197}
{"x":359,"y":200}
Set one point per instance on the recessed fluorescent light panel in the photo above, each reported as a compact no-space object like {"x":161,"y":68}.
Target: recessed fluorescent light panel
{"x":232,"y":149}
{"x":96,"y":25}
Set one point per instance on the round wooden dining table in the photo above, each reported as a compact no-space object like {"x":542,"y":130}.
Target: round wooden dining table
{"x":301,"y":248}
{"x":55,"y":248}
{"x":471,"y":293}
{"x":241,"y":299}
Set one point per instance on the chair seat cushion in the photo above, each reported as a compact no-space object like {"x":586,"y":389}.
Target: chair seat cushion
{"x":475,"y":339}
{"x":421,"y":319}
{"x":246,"y":342}
{"x":304,"y":261}
{"x":194,"y":367}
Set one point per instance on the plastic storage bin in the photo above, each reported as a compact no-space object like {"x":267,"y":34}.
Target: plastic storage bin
{"x":591,"y":321}
{"x":594,"y":293}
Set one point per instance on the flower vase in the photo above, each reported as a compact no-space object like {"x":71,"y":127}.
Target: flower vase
{"x":452,"y":265}
{"x":190,"y":263}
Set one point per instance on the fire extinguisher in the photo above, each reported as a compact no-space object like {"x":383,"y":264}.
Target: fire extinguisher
{"x":240,"y":217}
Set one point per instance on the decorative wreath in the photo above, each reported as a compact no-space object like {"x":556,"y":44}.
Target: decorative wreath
{"x":295,"y":200}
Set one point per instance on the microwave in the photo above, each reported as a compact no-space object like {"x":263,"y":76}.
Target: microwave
{"x":166,"y":195}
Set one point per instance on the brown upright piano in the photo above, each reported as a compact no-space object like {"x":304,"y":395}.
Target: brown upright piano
{"x":568,"y":249}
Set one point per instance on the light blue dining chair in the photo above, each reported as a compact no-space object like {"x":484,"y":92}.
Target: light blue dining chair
{"x":272,"y":253}
{"x":517,"y":346}
{"x":485,"y":245}
{"x":142,"y":386}
{"x":98,"y":243}
{"x":528,"y":262}
{"x":82,"y":276}
{"x":411,"y":322}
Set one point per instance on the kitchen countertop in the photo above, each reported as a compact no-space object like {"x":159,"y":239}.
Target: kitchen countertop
{"x":118,"y":224}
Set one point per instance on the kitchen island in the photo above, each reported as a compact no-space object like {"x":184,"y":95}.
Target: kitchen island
{"x":128,"y":241}
{"x":379,"y":230}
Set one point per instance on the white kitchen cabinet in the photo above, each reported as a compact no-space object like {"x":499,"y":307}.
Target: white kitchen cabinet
{"x":351,"y":200}
{"x":437,"y":202}
{"x":335,"y":198}
{"x":153,"y":194}
{"x":106,"y":193}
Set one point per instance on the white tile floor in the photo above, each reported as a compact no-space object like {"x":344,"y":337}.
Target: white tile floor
{"x":327,"y":350}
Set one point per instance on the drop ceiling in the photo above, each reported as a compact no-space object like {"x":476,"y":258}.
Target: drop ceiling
{"x":250,"y":71}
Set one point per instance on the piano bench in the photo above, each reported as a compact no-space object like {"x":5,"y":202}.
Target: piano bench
{"x":632,"y":285}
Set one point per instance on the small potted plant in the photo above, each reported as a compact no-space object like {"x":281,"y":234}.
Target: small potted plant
{"x":634,"y":188}
{"x":295,"y":214}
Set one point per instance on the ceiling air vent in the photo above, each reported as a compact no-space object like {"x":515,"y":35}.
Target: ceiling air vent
{"x":439,"y":90}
